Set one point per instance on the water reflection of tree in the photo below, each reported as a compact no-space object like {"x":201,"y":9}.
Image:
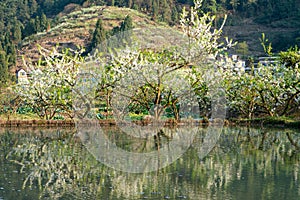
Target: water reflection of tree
{"x":10,"y":179}
{"x":266,"y":154}
{"x":63,"y":168}
{"x":57,"y":164}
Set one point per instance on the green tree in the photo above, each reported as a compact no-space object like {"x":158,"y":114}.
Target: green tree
{"x":234,"y":4}
{"x":125,"y":33}
{"x":9,"y":49}
{"x":242,"y":94}
{"x":99,"y":35}
{"x":48,"y":4}
{"x":130,"y":3}
{"x":271,"y":90}
{"x":155,"y":9}
{"x":121,"y":35}
{"x":111,"y":2}
{"x":290,"y":58}
{"x":242,"y":48}
{"x":29,"y":28}
{"x":37,"y":24}
{"x":33,"y":6}
{"x":3,"y":68}
{"x":16,"y":31}
{"x":11,"y":54}
{"x":165,"y":11}
{"x":43,"y":22}
{"x":174,"y":16}
{"x":6,"y":41}
{"x":126,"y":24}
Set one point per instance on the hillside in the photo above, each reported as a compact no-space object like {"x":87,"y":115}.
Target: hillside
{"x":74,"y":29}
{"x":76,"y":24}
{"x":247,"y":30}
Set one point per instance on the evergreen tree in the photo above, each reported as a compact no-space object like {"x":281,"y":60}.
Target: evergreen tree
{"x":33,"y":6}
{"x":165,"y":11}
{"x":154,"y":10}
{"x":121,"y":3}
{"x":115,"y":30}
{"x":37,"y":24}
{"x":48,"y":5}
{"x":234,"y":4}
{"x":23,"y":11}
{"x":174,"y":16}
{"x":3,"y":68}
{"x":135,"y":6}
{"x":8,"y":47}
{"x":121,"y":34}
{"x":6,"y":41}
{"x":29,"y":29}
{"x":127,"y":24}
{"x":99,"y":35}
{"x":43,"y":22}
{"x":125,"y":28}
{"x":16,"y":31}
{"x":2,"y":26}
{"x":11,"y":54}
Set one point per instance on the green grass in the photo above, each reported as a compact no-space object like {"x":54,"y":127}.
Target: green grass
{"x":28,"y":116}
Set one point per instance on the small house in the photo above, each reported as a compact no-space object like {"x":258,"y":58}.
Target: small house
{"x":21,"y":76}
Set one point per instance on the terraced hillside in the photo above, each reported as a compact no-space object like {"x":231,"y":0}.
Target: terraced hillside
{"x":76,"y":24}
{"x":75,"y":28}
{"x":250,"y":32}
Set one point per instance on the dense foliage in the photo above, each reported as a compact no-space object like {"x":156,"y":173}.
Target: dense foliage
{"x":272,"y":88}
{"x":52,"y":80}
{"x":266,"y":90}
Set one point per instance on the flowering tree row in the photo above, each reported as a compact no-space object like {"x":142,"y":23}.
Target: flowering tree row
{"x":168,"y":82}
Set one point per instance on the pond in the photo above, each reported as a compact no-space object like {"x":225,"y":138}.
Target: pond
{"x":245,"y":163}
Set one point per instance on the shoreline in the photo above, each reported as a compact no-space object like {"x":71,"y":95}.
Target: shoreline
{"x":257,"y":122}
{"x":276,"y":122}
{"x":103,"y":122}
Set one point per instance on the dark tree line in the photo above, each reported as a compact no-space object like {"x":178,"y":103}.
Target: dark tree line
{"x":30,"y":16}
{"x":35,"y":25}
{"x":22,"y":18}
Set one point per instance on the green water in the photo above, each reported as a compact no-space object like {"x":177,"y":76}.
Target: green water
{"x":246,"y":163}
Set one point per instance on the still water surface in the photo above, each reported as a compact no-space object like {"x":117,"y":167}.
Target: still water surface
{"x":246,"y":163}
